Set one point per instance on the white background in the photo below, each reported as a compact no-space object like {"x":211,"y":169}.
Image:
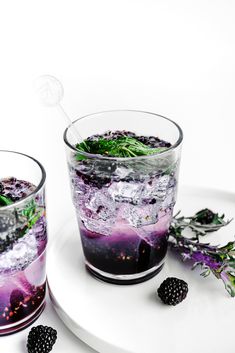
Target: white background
{"x":175,"y":58}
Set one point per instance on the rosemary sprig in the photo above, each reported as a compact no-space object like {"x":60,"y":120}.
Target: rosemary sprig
{"x":120,"y":147}
{"x":204,"y":221}
{"x":218,"y":260}
{"x":31,"y":213}
{"x":25,"y":219}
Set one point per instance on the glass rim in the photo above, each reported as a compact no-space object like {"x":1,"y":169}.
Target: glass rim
{"x":97,"y":156}
{"x":38,"y":187}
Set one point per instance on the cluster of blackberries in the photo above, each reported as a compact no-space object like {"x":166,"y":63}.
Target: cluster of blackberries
{"x":112,"y":135}
{"x":150,"y":141}
{"x":94,"y":180}
{"x":153,"y":141}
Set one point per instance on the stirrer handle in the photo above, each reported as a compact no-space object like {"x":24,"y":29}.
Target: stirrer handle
{"x":50,"y":92}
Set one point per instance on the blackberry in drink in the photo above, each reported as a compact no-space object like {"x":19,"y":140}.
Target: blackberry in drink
{"x":124,"y":185}
{"x":23,"y":239}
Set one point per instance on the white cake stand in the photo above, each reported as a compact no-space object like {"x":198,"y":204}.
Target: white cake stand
{"x":131,"y":319}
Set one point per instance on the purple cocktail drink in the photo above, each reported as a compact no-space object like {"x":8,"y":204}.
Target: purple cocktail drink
{"x":23,"y":240}
{"x":124,"y":205}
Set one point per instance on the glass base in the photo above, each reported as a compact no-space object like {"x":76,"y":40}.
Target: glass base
{"x":18,"y":326}
{"x":124,"y":279}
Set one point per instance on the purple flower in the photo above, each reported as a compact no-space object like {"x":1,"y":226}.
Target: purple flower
{"x":220,"y":261}
{"x":205,"y":260}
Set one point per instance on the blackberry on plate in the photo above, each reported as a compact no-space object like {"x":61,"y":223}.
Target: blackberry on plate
{"x":41,"y":339}
{"x":205,"y":216}
{"x":172,"y":291}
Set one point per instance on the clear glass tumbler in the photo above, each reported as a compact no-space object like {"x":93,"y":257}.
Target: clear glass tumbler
{"x":23,"y":239}
{"x":124,"y":205}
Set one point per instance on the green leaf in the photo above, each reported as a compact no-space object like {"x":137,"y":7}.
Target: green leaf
{"x":31,"y":213}
{"x":120,"y":147}
{"x":230,"y":284}
{"x":5,"y":201}
{"x":206,"y":273}
{"x":29,"y":210}
{"x":33,"y":220}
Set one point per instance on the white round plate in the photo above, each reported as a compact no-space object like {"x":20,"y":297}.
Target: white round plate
{"x":118,"y":319}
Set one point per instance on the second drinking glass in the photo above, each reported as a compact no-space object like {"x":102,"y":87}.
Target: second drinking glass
{"x":23,"y":240}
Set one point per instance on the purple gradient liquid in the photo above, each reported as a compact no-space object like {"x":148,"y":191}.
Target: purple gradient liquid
{"x":23,"y":261}
{"x":124,"y":210}
{"x":126,"y":252}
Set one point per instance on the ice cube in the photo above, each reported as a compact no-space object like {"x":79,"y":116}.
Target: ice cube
{"x":126,"y":192}
{"x":139,"y":216}
{"x":20,"y":256}
{"x":78,"y":185}
{"x":7,"y":223}
{"x":123,"y":172}
{"x":20,"y":249}
{"x":102,"y":205}
{"x":156,"y":188}
{"x":98,"y":226}
{"x":98,"y":213}
{"x":169,"y":200}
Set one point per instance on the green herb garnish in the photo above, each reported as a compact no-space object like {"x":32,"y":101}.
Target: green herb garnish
{"x":120,"y":147}
{"x":25,"y":219}
{"x":203,"y":222}
{"x":31,"y":213}
{"x":5,"y":201}
{"x":218,"y":260}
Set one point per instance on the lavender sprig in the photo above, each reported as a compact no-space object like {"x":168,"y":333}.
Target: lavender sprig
{"x":218,"y":260}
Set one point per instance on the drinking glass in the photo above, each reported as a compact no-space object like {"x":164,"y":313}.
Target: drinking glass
{"x":23,"y":239}
{"x":124,"y":205}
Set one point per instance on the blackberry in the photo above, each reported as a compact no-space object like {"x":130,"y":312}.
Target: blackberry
{"x":16,"y":298}
{"x":99,"y":182}
{"x":153,"y":141}
{"x":117,"y":134}
{"x":94,"y":180}
{"x":172,"y":291}
{"x":111,"y":135}
{"x":41,"y":339}
{"x":15,"y":198}
{"x":15,"y":189}
{"x":152,"y":202}
{"x":164,"y":144}
{"x":204,"y":216}
{"x":143,"y":139}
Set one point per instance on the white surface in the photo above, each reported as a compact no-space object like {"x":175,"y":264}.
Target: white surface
{"x":174,"y":58}
{"x":66,"y":341}
{"x":131,"y":319}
